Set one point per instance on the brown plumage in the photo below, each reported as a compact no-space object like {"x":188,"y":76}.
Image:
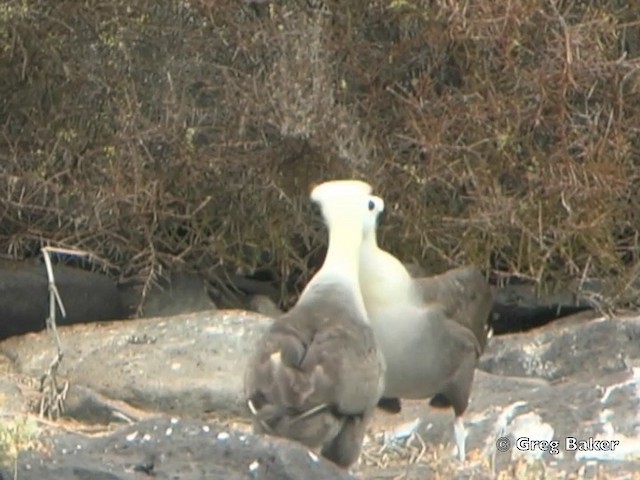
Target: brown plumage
{"x":466,"y":297}
{"x":318,"y":374}
{"x":431,"y":330}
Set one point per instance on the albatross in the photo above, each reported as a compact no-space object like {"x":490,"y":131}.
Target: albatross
{"x":431,"y":330}
{"x":317,"y":374}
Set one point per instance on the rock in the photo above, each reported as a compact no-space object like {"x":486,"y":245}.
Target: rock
{"x":514,"y":290}
{"x":24,"y":297}
{"x":83,"y":403}
{"x":166,"y":448}
{"x":178,"y":294}
{"x":12,"y":400}
{"x":566,"y":349}
{"x":510,"y":318}
{"x":264,"y":305}
{"x":517,"y":308}
{"x":572,"y":378}
{"x":573,"y":408}
{"x":236,"y":289}
{"x":184,"y":365}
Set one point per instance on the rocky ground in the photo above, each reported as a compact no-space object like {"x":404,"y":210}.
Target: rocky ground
{"x":160,"y":398}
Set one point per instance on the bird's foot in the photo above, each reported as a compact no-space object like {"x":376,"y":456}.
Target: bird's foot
{"x":460,"y":435}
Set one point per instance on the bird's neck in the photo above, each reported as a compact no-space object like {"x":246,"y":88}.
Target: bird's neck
{"x":381,"y":260}
{"x":343,"y":252}
{"x":383,"y":278}
{"x":342,"y":262}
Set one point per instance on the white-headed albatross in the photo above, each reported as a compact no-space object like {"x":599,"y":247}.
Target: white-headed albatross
{"x":431,"y":330}
{"x":318,"y":374}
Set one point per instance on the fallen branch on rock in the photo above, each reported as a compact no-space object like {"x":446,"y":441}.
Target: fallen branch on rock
{"x":52,"y":394}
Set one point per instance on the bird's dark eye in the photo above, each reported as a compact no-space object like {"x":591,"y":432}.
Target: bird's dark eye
{"x":371,"y":205}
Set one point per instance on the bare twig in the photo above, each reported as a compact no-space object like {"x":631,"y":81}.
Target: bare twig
{"x":53,"y":395}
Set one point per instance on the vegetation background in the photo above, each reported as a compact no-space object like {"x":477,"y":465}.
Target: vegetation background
{"x":186,"y":134}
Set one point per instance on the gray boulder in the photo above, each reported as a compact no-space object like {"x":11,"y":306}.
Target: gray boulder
{"x":165,"y":448}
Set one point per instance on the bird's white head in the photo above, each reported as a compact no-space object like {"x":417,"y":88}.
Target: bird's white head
{"x":342,"y":200}
{"x":335,"y":189}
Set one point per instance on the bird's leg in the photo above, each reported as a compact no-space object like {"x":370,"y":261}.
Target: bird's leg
{"x":460,"y":435}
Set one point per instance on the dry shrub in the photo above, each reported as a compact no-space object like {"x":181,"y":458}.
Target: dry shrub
{"x":501,"y":133}
{"x":527,"y":144}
